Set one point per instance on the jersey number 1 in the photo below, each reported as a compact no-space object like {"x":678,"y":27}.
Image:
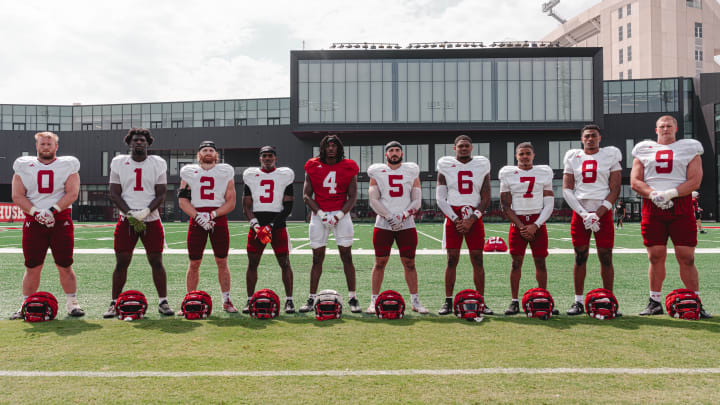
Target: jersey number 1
{"x":138,"y":180}
{"x":330,"y":183}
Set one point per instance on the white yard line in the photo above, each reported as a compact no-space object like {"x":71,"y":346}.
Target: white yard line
{"x":431,"y":237}
{"x":346,"y":373}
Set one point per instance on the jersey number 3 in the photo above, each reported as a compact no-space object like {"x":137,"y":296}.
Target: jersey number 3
{"x":267,"y":196}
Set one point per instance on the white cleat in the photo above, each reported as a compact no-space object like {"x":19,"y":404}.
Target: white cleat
{"x":371,"y":309}
{"x":419,"y":308}
{"x":73,"y":308}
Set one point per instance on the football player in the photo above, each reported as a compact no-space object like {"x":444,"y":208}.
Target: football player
{"x":527,"y":199}
{"x":45,"y":187}
{"x":591,"y":184}
{"x":207,"y":195}
{"x":698,"y":211}
{"x":620,"y":213}
{"x":463,"y":194}
{"x":138,"y":183}
{"x":330,"y":191}
{"x":395,"y":195}
{"x":665,"y":173}
{"x":267,"y":202}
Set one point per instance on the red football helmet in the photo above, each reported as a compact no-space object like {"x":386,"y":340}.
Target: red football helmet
{"x":601,"y":304}
{"x":131,"y":305}
{"x":390,"y":305}
{"x":469,"y":304}
{"x":683,"y":303}
{"x":538,"y":303}
{"x":196,"y":305}
{"x":264,"y":304}
{"x":495,"y":244}
{"x":328,"y":305}
{"x":40,"y":307}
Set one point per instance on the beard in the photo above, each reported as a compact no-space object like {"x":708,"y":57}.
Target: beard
{"x":208,"y":159}
{"x":49,"y":155}
{"x":395,"y":160}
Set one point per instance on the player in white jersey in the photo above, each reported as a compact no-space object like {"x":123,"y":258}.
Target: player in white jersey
{"x":267,"y":202}
{"x":665,"y":173}
{"x":527,"y":199}
{"x":138,"y":183}
{"x":45,"y":187}
{"x":463,"y":194}
{"x":591,"y":185}
{"x":394,"y":194}
{"x":207,"y":195}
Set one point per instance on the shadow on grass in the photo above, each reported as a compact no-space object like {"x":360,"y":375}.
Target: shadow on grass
{"x":62,"y":328}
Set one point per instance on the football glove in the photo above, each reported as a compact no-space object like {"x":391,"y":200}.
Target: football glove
{"x":466,"y":212}
{"x":202,"y":219}
{"x":590,"y":220}
{"x":137,"y":225}
{"x":255,"y":226}
{"x":663,"y":199}
{"x":264,"y":235}
{"x":45,"y":217}
{"x":394,"y":222}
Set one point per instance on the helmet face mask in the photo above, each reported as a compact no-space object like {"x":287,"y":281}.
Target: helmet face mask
{"x":538,"y":303}
{"x":390,"y":305}
{"x":328,"y":305}
{"x":40,"y":307}
{"x":469,"y":304}
{"x":264,"y":304}
{"x":601,"y":304}
{"x":197,"y":305}
{"x":131,"y":305}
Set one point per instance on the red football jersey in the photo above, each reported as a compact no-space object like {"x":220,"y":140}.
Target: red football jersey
{"x":330,"y":182}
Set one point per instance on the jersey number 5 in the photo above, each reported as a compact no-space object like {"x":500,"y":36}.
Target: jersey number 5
{"x":465,"y":184}
{"x":45,"y":181}
{"x":395,"y":182}
{"x":330,"y":183}
{"x":268,"y":192}
{"x":206,"y":192}
{"x":664,"y":159}
{"x":589,"y":171}
{"x":531,"y":184}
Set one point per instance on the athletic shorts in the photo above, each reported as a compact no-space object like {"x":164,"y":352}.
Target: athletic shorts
{"x":219,"y":237}
{"x":37,"y":238}
{"x":452,"y":239}
{"x":126,"y":238}
{"x":406,"y":241}
{"x":518,"y":245}
{"x":604,"y":238}
{"x":678,"y":223}
{"x":280,"y":242}
{"x":319,"y":233}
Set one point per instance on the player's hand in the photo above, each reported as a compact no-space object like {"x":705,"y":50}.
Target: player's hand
{"x":264,"y":235}
{"x":331,"y":221}
{"x":590,"y":220}
{"x":393,"y":221}
{"x":663,"y":199}
{"x":45,"y":217}
{"x":210,"y":226}
{"x":466,"y":212}
{"x":137,"y":225}
{"x":528,"y":232}
{"x":255,"y":226}
{"x":202,"y":219}
{"x":464,"y":225}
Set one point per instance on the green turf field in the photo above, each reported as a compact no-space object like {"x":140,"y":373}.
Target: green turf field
{"x":297,"y":343}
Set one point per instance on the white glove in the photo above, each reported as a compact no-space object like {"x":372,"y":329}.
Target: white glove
{"x":209,"y":226}
{"x":331,"y":220}
{"x":323,"y":217}
{"x":45,"y":217}
{"x":139,"y":214}
{"x":466,"y":212}
{"x":254,"y":225}
{"x":202,"y":219}
{"x":395,"y":221}
{"x":663,"y":199}
{"x":591,"y":221}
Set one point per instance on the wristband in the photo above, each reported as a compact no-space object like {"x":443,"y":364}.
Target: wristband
{"x":213,"y":214}
{"x":339,"y":215}
{"x":477,"y":213}
{"x":607,"y":204}
{"x":254,"y":222}
{"x":320,"y":213}
{"x":33,"y":211}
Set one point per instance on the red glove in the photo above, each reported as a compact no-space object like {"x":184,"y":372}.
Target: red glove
{"x":264,"y":235}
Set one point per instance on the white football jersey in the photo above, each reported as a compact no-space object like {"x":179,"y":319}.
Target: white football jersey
{"x":395,"y":188}
{"x":138,"y":180}
{"x":464,"y":180}
{"x":268,"y":188}
{"x":592,"y":172}
{"x":666,"y":165}
{"x":45,"y":183}
{"x":526,"y":187}
{"x":207,"y":187}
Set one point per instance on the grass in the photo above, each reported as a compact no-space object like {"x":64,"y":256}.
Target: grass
{"x":358,"y":341}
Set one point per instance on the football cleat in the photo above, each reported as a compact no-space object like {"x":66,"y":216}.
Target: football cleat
{"x":371,"y":309}
{"x":309,"y":305}
{"x":289,"y":307}
{"x":73,"y":308}
{"x":246,"y":308}
{"x":16,"y":315}
{"x":354,"y":305}
{"x":513,"y":308}
{"x":653,"y":308}
{"x":419,"y":308}
{"x":488,"y":311}
{"x":576,"y":308}
{"x":111,"y":312}
{"x":229,"y":307}
{"x":704,"y":314}
{"x":447,"y":307}
{"x":164,"y":308}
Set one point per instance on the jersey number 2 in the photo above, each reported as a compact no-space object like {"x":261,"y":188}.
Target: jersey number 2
{"x":206,"y":192}
{"x":267,"y":196}
{"x":330,"y":183}
{"x":45,"y":181}
{"x":664,"y":159}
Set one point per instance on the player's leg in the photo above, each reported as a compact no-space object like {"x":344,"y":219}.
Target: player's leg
{"x":376,"y":280}
{"x":124,"y":242}
{"x":318,"y":234}
{"x":196,"y":242}
{"x":655,"y":231}
{"x":685,"y":241}
{"x":475,"y":240}
{"x":452,"y":241}
{"x":220,"y":241}
{"x":192,"y":276}
{"x":515,"y":275}
{"x":281,"y":246}
{"x":540,"y":272}
{"x":607,"y":271}
{"x":605,"y":241}
{"x":154,"y":240}
{"x":344,"y":233}
{"x":62,"y":243}
{"x":581,"y":244}
{"x":35,"y":243}
{"x":407,"y":245}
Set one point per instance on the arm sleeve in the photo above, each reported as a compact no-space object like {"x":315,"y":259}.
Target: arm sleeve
{"x":548,"y":205}
{"x":287,"y":209}
{"x":441,"y":193}
{"x":573,"y":202}
{"x":289,"y":190}
{"x":415,"y":199}
{"x":375,"y":203}
{"x":246,"y":191}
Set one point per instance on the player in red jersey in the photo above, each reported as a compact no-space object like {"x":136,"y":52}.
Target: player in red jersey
{"x":207,"y":195}
{"x":267,"y":202}
{"x":665,"y":173}
{"x":138,"y":183}
{"x":44,"y":187}
{"x":330,"y":191}
{"x":698,"y":211}
{"x":463,"y":194}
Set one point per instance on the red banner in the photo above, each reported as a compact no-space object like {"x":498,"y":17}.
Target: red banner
{"x":10,"y":212}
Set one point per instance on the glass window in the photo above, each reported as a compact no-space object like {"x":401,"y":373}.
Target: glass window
{"x":620,"y":33}
{"x":629,"y":144}
{"x":620,"y":56}
{"x":629,"y":74}
{"x":698,"y":55}
{"x":620,"y":12}
{"x":629,"y":9}
{"x":629,"y":55}
{"x":698,"y":30}
{"x":620,"y":76}
{"x":510,"y":153}
{"x":694,"y":3}
{"x":629,"y":30}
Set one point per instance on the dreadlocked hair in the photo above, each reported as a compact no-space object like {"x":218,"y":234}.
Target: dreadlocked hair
{"x":324,"y":144}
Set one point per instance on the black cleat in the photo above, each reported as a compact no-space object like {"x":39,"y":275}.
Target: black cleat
{"x":577,"y":308}
{"x":488,"y":311}
{"x":309,"y":305}
{"x":354,"y":305}
{"x":289,"y":307}
{"x":555,"y":311}
{"x":513,"y":309}
{"x":111,"y":312}
{"x":653,"y":308}
{"x":704,"y":314}
{"x":447,"y":307}
{"x":164,"y":308}
{"x":703,"y":231}
{"x":246,"y":308}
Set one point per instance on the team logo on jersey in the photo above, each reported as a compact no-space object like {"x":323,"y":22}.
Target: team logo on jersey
{"x":452,"y":166}
{"x":32,"y":164}
{"x":27,"y":224}
{"x":66,"y":223}
{"x":516,"y":172}
{"x":127,"y":163}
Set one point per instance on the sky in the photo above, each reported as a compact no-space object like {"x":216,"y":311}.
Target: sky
{"x":96,"y":52}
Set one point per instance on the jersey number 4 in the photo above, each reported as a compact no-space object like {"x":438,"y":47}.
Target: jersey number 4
{"x":45,"y":181}
{"x":664,"y":159}
{"x":330,"y":183}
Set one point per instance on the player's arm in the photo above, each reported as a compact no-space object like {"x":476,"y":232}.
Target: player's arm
{"x":506,"y":205}
{"x":415,"y":197}
{"x":615,"y":182}
{"x":247,"y":204}
{"x":288,"y":199}
{"x":116,"y":197}
{"x":160,"y":190}
{"x":308,"y":195}
{"x":374,"y":200}
{"x":351,"y":196}
{"x":72,"y":189}
{"x":230,"y":199}
{"x":19,"y":196}
{"x":694,"y":177}
{"x":484,"y":195}
{"x":184,"y":199}
{"x":441,"y":195}
{"x":547,"y":210}
{"x":637,"y":179}
{"x":569,"y":194}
